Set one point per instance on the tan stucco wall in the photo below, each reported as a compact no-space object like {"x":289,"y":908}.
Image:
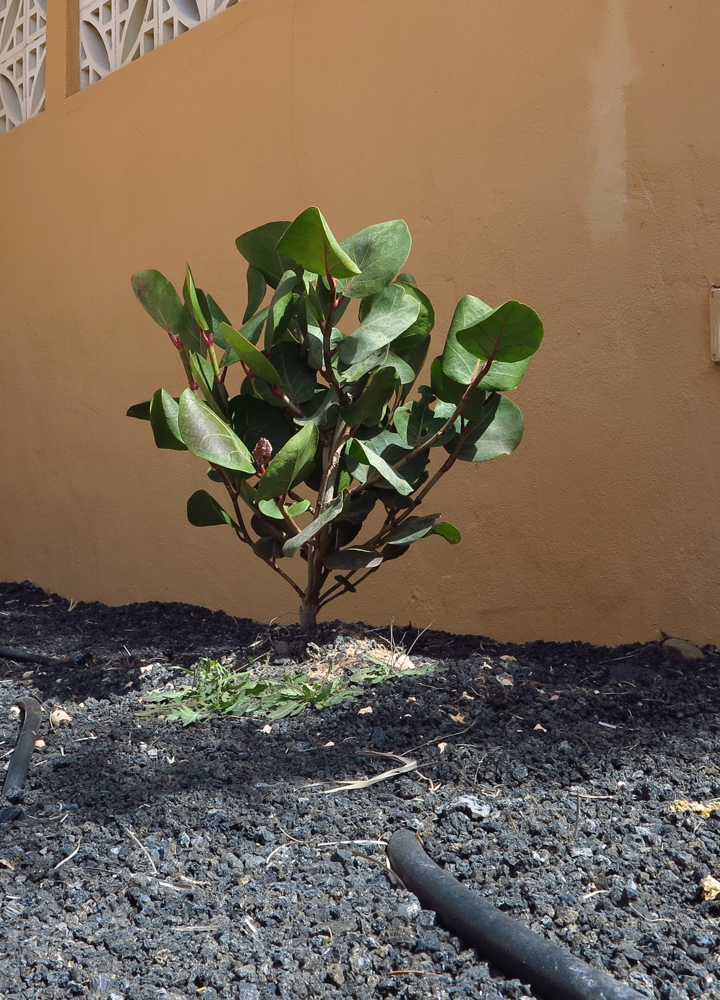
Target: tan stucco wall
{"x":565,"y":154}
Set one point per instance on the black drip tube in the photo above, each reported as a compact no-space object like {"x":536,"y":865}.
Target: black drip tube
{"x":516,"y":950}
{"x":20,"y":760}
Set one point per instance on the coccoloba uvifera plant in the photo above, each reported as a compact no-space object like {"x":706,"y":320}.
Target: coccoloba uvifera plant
{"x":322,"y":430}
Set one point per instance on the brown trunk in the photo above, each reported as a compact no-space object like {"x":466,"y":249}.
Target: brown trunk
{"x":308,"y":615}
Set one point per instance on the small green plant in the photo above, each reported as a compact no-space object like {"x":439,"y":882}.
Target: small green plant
{"x":217,"y":690}
{"x":322,"y":433}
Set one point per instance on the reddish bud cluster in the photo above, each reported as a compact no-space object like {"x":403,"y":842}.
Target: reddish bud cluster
{"x":262,"y":454}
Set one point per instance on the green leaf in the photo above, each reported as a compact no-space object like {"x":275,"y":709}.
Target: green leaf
{"x":259,"y":248}
{"x":411,"y":529}
{"x":252,"y":418}
{"x":379,"y":251}
{"x":451,"y":392}
{"x":158,"y":298}
{"x":363,"y":452}
{"x":290,"y":465}
{"x":510,"y":333}
{"x":412,"y":345}
{"x":281,"y":308}
{"x":407,"y":279}
{"x":369,"y":407}
{"x":190,"y":335}
{"x":197,"y":308}
{"x":141,"y":411}
{"x":321,"y":410}
{"x":208,"y":436}
{"x":498,"y":433}
{"x":416,"y":421}
{"x":447,"y":531}
{"x":270,"y":509}
{"x":353,"y":558}
{"x":316,"y":349}
{"x":164,"y":420}
{"x":457,"y":362}
{"x":504,"y":375}
{"x":217,"y":316}
{"x":310,"y":242}
{"x":393,"y":311}
{"x":256,"y":285}
{"x":294,"y":544}
{"x":268,"y":547}
{"x":203,"y":510}
{"x":444,"y":387}
{"x":205,"y":378}
{"x":250,"y":355}
{"x":253,"y":328}
{"x":296,"y":378}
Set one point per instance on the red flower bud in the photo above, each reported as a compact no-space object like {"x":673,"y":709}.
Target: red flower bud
{"x":262,"y":454}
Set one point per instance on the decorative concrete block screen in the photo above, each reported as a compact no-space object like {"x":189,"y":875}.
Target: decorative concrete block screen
{"x":22,"y":61}
{"x":116,"y":32}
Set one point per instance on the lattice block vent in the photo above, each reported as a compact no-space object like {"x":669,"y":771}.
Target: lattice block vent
{"x":22,"y":61}
{"x":116,"y":32}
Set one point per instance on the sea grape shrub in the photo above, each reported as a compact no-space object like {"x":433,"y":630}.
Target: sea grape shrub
{"x":322,"y":429}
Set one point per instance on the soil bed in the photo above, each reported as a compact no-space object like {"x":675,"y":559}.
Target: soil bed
{"x":155,"y":861}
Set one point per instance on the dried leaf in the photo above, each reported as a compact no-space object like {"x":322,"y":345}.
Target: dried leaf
{"x":710,"y":887}
{"x":441,"y":747}
{"x":705,"y":809}
{"x":470,"y":697}
{"x":505,"y":679}
{"x":59,"y":715}
{"x":540,"y":727}
{"x":366,"y":711}
{"x":40,"y":743}
{"x":506,"y":657}
{"x":457,"y":718}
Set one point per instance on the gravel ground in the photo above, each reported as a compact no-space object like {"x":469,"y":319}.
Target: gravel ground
{"x":160,"y":862}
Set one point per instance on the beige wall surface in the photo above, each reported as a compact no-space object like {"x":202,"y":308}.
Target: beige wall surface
{"x":565,"y":154}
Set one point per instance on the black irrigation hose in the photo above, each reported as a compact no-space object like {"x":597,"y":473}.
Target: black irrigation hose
{"x":516,"y":950}
{"x":20,"y":760}
{"x":10,"y":653}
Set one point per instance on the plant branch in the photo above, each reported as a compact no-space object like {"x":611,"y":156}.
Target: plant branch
{"x":327,"y":328}
{"x":330,"y":596}
{"x":288,"y":579}
{"x":359,"y":487}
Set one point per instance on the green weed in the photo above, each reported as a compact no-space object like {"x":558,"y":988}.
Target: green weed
{"x":217,"y":690}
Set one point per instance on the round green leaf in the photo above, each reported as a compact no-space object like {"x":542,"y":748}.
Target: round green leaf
{"x":309,"y":241}
{"x":290,"y":465}
{"x":158,"y":298}
{"x":353,"y":558}
{"x":252,"y":418}
{"x":164,"y":411}
{"x":379,"y":251}
{"x":259,"y":248}
{"x":448,"y":531}
{"x":203,"y":510}
{"x":411,"y":529}
{"x":393,"y":310}
{"x":510,"y":333}
{"x":208,"y":436}
{"x":457,"y":362}
{"x":498,"y":433}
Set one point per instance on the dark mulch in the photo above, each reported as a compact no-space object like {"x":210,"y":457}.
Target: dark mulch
{"x":201,"y":862}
